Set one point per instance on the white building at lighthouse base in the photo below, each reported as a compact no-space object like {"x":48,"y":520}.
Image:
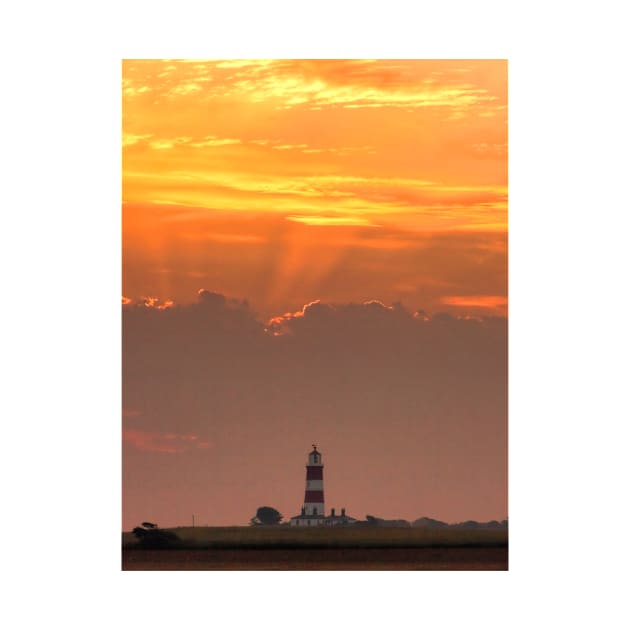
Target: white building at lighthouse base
{"x":320,"y":520}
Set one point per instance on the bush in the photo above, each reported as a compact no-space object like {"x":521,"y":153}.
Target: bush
{"x":155,"y":538}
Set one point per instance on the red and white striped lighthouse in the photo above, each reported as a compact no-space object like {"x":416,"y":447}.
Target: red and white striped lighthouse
{"x":314,"y":493}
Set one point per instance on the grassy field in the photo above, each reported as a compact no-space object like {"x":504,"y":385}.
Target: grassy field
{"x":330,"y":537}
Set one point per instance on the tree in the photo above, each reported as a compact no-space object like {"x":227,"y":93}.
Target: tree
{"x":266,"y":516}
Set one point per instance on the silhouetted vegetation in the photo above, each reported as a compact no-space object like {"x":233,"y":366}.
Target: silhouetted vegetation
{"x":430,"y":523}
{"x":266,"y":515}
{"x":476,"y":525}
{"x":375,"y":521}
{"x":332,"y":537}
{"x":149,"y":536}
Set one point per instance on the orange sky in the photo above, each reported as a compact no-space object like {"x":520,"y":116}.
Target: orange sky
{"x":312,"y":239}
{"x":285,"y":181}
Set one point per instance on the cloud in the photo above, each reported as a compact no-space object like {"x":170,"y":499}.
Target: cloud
{"x":317,"y":84}
{"x":484,"y":301}
{"x":289,"y":147}
{"x":317,"y":315}
{"x":212,"y":314}
{"x":307,"y":148}
{"x":376,"y":323}
{"x":216,"y":319}
{"x":331,"y":220}
{"x":129,"y":139}
{"x":286,"y":263}
{"x":352,"y":84}
{"x":211,"y":298}
{"x":163,"y":143}
{"x":151,"y":301}
{"x":130,"y":91}
{"x":169,"y":143}
{"x":162,"y":442}
{"x":450,"y":206}
{"x":213,"y":141}
{"x":399,"y":394}
{"x":184,"y":89}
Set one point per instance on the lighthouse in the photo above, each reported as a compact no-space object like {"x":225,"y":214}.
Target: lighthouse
{"x":312,"y":513}
{"x":314,"y":492}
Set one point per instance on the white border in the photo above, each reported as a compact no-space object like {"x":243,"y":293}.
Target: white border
{"x":61,"y":129}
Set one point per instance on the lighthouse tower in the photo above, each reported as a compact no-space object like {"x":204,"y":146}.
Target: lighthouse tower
{"x":314,"y":493}
{"x":313,"y":514}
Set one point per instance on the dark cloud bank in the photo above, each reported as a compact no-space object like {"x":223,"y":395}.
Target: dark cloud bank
{"x":410,"y":410}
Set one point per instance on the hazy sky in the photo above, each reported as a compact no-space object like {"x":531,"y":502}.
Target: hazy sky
{"x":328,"y":211}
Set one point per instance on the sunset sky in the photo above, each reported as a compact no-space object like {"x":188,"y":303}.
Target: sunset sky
{"x":314,"y":251}
{"x":288,"y":181}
